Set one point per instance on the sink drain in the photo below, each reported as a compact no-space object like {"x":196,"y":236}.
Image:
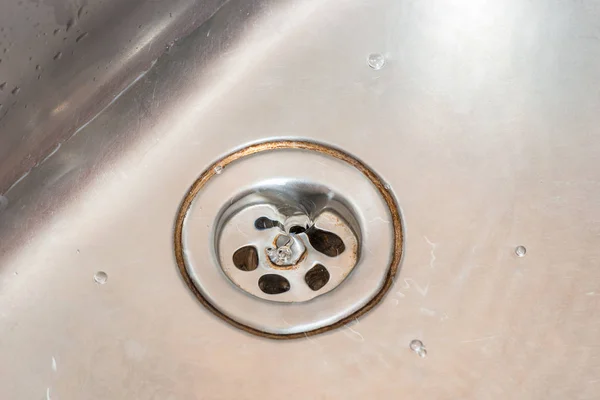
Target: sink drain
{"x":285,"y":239}
{"x":301,"y":234}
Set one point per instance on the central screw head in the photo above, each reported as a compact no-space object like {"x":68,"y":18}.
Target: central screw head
{"x":288,"y":250}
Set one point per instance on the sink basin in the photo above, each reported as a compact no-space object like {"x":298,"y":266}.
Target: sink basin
{"x":479,"y":119}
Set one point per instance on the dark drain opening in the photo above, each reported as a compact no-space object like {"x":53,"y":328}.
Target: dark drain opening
{"x":246,"y":258}
{"x":317,"y":277}
{"x":266,"y":223}
{"x":297,"y":229}
{"x":273,"y":284}
{"x":325,"y":242}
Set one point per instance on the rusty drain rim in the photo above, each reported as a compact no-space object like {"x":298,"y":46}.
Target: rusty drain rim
{"x":217,"y":168}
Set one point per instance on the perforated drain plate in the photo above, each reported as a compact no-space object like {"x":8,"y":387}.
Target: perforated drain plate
{"x":288,"y":238}
{"x":294,"y":233}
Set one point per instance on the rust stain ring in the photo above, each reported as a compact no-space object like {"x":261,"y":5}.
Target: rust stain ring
{"x":302,"y":145}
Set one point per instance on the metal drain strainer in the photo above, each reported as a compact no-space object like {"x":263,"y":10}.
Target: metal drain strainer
{"x":287,"y":241}
{"x":288,"y":238}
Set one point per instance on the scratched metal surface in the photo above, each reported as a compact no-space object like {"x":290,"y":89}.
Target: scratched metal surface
{"x":63,"y":61}
{"x":485,"y":122}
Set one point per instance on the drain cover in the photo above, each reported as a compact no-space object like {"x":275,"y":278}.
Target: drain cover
{"x":296,"y":232}
{"x":288,"y":238}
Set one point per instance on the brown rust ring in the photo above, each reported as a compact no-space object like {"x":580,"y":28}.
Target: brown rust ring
{"x":302,"y":145}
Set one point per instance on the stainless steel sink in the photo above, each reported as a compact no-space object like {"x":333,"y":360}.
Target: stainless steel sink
{"x":478,"y":118}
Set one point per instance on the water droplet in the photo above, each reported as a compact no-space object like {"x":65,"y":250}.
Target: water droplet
{"x":83,"y":35}
{"x":58,"y":55}
{"x":520,"y":251}
{"x":100,"y":277}
{"x":418,"y":347}
{"x":139,"y":26}
{"x":79,"y":12}
{"x":69,"y":24}
{"x":387,"y":186}
{"x":2,"y":85}
{"x":55,"y":32}
{"x":218,"y":170}
{"x":376,"y":61}
{"x":16,"y":90}
{"x":37,"y":67}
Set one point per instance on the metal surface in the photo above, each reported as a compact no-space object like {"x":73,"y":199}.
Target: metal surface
{"x":63,"y":61}
{"x":483,"y":120}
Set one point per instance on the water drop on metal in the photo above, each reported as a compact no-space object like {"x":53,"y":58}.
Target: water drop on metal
{"x":418,"y":347}
{"x":218,"y":170}
{"x":376,"y":61}
{"x":100,"y":277}
{"x":80,"y":37}
{"x":70,"y":24}
{"x":520,"y":251}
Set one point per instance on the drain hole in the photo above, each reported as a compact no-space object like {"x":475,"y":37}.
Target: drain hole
{"x":317,"y":277}
{"x":273,"y":284}
{"x":325,"y":242}
{"x":297,"y":229}
{"x":246,"y":258}
{"x":265,"y":223}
